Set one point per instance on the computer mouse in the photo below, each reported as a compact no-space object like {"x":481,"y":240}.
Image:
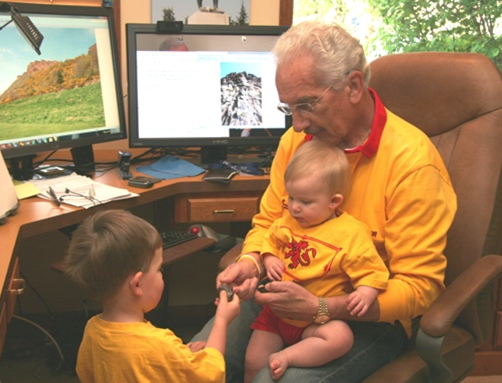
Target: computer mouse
{"x":204,"y":231}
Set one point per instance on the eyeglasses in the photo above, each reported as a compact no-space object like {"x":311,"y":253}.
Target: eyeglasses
{"x":304,"y":107}
{"x":89,"y":195}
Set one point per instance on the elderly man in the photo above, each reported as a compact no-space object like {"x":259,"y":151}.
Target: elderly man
{"x":400,"y":190}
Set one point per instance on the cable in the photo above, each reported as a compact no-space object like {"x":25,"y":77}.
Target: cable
{"x":38,"y":295}
{"x":53,"y":340}
{"x":40,"y":162}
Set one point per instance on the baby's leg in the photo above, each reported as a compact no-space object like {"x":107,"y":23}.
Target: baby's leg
{"x":261,"y":345}
{"x":320,"y":344}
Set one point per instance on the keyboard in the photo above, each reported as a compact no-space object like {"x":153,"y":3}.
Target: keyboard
{"x":175,"y":237}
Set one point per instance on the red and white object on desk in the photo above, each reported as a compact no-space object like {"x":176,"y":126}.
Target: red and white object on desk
{"x":8,"y":197}
{"x":204,"y":231}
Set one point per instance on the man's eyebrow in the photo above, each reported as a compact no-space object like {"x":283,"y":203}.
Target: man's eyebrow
{"x":304,"y":100}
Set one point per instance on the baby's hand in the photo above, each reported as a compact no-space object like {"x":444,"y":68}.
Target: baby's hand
{"x":274,"y":267}
{"x":358,"y":303}
{"x":196,"y":346}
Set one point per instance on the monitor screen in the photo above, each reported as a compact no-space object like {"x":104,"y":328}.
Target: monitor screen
{"x":70,"y":95}
{"x":206,"y":86}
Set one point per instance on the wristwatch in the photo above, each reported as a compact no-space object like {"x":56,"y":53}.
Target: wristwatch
{"x":322,"y":314}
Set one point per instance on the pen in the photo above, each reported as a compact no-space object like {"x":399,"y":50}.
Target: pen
{"x":54,"y":196}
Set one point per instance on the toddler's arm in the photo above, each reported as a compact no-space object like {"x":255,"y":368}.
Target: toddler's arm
{"x":225,"y":313}
{"x":361,"y":299}
{"x":274,"y":267}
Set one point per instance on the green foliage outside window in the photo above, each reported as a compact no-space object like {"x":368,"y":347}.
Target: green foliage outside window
{"x":441,"y":25}
{"x":416,"y":25}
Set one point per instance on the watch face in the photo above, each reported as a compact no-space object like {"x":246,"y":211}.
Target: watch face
{"x":321,"y":319}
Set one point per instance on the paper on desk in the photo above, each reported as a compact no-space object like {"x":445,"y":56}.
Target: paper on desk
{"x":25,"y":190}
{"x":80,"y":191}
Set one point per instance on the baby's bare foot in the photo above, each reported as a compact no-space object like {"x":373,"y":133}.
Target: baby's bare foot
{"x":278,"y":364}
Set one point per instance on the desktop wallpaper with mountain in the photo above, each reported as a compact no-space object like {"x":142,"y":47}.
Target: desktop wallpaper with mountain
{"x":60,"y":88}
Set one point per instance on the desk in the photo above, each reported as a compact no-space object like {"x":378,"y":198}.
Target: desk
{"x":186,"y":195}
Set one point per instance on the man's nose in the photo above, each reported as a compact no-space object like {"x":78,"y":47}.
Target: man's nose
{"x":300,"y":122}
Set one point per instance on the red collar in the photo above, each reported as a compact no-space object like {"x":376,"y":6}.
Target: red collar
{"x":370,"y":146}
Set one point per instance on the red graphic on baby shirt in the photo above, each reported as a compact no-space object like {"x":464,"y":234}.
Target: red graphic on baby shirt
{"x":299,"y":253}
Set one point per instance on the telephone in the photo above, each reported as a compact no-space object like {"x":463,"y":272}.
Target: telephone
{"x":124,"y":165}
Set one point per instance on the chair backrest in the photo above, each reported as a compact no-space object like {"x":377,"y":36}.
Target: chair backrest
{"x":456,"y":99}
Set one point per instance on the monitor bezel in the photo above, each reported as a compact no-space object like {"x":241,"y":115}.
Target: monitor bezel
{"x":70,"y":10}
{"x":190,"y":142}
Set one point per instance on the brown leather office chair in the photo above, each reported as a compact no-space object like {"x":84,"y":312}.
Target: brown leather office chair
{"x":456,"y":98}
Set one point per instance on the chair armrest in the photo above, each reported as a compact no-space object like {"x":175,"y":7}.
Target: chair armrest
{"x":439,"y":317}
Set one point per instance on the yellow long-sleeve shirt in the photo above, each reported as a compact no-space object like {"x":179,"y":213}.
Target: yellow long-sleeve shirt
{"x":402,"y":192}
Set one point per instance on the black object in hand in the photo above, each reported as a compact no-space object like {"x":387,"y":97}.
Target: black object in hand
{"x":261,"y":285}
{"x":227,"y":289}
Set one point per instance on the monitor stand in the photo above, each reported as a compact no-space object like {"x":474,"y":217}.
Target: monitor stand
{"x":212,"y":154}
{"x":21,"y":168}
{"x":215,"y":154}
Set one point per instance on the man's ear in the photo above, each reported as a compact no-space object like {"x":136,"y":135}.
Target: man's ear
{"x":336,"y":201}
{"x":356,"y":86}
{"x":135,"y":284}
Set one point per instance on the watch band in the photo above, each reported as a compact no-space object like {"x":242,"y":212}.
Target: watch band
{"x":322,"y":315}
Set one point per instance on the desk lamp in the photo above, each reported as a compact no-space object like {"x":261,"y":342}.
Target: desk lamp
{"x":24,"y":26}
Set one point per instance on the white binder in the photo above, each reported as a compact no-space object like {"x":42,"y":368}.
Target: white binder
{"x":8,"y":197}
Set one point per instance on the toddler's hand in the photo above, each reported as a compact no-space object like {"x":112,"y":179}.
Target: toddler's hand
{"x":357,"y":303}
{"x":274,"y":267}
{"x":227,"y":311}
{"x":196,"y":346}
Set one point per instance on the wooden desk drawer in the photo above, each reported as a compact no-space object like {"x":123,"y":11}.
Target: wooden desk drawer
{"x":191,"y":209}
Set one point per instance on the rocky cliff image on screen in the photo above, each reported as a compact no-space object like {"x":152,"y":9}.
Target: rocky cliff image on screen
{"x":241,"y":99}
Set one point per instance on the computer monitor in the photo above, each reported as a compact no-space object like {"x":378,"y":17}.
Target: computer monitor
{"x":70,"y":95}
{"x":204,"y":86}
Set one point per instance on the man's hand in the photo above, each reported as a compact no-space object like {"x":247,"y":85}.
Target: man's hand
{"x":242,"y":277}
{"x":288,"y":300}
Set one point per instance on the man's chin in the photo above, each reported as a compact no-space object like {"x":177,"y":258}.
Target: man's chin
{"x":322,"y":135}
{"x":314,"y":132}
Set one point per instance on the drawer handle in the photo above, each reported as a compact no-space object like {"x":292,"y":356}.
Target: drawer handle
{"x":21,"y":285}
{"x":223,"y":211}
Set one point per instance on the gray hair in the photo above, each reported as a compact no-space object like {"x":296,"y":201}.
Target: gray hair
{"x":334,"y":51}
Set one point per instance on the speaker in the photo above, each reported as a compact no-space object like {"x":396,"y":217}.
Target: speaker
{"x":8,"y":197}
{"x":83,"y":159}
